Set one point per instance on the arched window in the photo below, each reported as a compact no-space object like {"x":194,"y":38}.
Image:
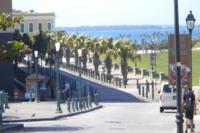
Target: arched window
{"x":49,"y":26}
{"x":39,"y":26}
{"x":31,"y":27}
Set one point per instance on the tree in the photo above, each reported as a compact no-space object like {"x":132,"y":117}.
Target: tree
{"x":94,"y":47}
{"x":108,"y":46}
{"x":126,"y":50}
{"x":84,"y":42}
{"x":27,"y":41}
{"x":8,"y":20}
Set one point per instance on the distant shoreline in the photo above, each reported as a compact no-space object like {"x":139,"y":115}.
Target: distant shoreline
{"x":118,"y":27}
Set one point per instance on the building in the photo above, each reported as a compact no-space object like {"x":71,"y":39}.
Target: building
{"x":6,"y":6}
{"x":34,"y":22}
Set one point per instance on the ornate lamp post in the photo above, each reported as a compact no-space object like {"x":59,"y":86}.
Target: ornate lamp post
{"x":179,"y":114}
{"x":36,"y":72}
{"x":190,"y":21}
{"x":80,"y":78}
{"x":58,"y":109}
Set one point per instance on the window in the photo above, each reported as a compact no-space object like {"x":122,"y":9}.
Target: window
{"x":49,"y":26}
{"x":31,"y":27}
{"x":21,"y":28}
{"x":40,"y":26}
{"x":166,"y":89}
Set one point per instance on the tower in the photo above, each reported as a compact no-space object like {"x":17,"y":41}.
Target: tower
{"x":6,"y":6}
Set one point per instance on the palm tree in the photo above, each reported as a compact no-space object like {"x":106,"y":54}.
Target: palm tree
{"x":17,"y":37}
{"x":126,"y":50}
{"x":108,"y":46}
{"x":95,"y":47}
{"x":41,"y":44}
{"x":67,"y":45}
{"x":84,"y":42}
{"x":76,"y":42}
{"x":27,"y":41}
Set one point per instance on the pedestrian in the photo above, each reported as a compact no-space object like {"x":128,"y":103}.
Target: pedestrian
{"x":189,"y":108}
{"x":67,"y":87}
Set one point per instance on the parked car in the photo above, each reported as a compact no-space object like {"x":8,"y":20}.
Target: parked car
{"x":167,"y":97}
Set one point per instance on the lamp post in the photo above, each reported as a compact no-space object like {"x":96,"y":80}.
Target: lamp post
{"x":36,"y":72}
{"x":190,"y":21}
{"x":80,"y":78}
{"x":58,"y":109}
{"x":179,"y":114}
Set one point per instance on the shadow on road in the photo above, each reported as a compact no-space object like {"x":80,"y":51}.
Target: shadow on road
{"x":56,"y":128}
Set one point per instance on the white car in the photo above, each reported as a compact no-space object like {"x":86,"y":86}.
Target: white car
{"x":167,"y":97}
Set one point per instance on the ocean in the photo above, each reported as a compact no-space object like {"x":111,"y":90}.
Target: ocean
{"x":133,"y":32}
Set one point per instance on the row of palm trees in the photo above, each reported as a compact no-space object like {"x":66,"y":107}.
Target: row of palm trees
{"x":108,"y":48}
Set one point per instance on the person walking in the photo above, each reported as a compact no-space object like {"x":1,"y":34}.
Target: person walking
{"x":67,"y":87}
{"x":189,"y":108}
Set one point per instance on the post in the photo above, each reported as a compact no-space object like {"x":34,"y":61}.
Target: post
{"x":69,"y":105}
{"x":143,"y":91}
{"x":36,"y":89}
{"x":80,"y":76}
{"x":58,"y":109}
{"x":1,"y":109}
{"x":179,"y":115}
{"x":139,"y":89}
{"x":147,"y":93}
{"x":152,"y":89}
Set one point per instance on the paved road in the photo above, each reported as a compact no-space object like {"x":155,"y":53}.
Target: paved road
{"x":113,"y":118}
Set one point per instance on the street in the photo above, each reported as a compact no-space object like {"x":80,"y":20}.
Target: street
{"x":112,"y":118}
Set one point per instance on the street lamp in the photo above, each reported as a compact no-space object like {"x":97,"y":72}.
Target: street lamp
{"x":58,"y":109}
{"x":179,"y":114}
{"x":36,"y":89}
{"x":80,"y":78}
{"x":190,"y":21}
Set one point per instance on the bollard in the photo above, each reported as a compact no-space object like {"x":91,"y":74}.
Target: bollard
{"x":90,"y":101}
{"x":116,"y":81}
{"x":79,"y":104}
{"x":143,"y":91}
{"x":147,"y":93}
{"x":6,"y":100}
{"x":73,"y":104}
{"x":120,"y":83}
{"x":137,"y":83}
{"x":96,"y":99}
{"x":68,"y":105}
{"x":2,"y":102}
{"x":139,"y":89}
{"x":87,"y":102}
{"x":147,"y":85}
{"x":152,"y":90}
{"x":83,"y":103}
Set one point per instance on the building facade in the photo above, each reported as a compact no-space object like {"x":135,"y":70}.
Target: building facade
{"x":6,"y":6}
{"x":33,"y":22}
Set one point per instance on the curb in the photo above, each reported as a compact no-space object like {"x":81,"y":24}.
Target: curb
{"x":7,"y":127}
{"x":54,"y":118}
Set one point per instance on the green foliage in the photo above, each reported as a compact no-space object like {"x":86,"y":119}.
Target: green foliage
{"x":41,"y":43}
{"x":8,"y":51}
{"x":8,"y":20}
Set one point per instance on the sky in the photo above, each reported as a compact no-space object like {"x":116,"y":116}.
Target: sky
{"x":72,"y":13}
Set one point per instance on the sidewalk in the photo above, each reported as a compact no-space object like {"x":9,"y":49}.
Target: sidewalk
{"x":42,"y":111}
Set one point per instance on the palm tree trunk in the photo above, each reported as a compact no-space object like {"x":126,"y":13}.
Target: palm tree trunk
{"x":96,"y":62}
{"x":84,"y":61}
{"x":76,"y":58}
{"x":124,"y":69}
{"x":68,"y":56}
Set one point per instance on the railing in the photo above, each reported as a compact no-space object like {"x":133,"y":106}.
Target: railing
{"x":82,"y":103}
{"x":147,"y":89}
{"x":3,"y":104}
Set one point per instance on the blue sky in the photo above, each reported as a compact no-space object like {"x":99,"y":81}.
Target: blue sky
{"x":112,"y":12}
